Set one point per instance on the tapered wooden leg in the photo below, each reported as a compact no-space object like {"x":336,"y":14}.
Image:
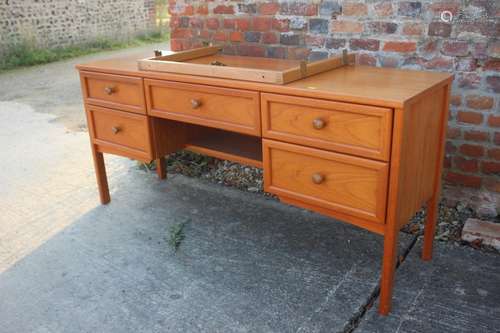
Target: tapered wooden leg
{"x":430,"y":228}
{"x":388,"y":271}
{"x":102,"y":180}
{"x":161,"y":168}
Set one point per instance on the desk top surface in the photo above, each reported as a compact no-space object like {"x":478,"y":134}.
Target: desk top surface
{"x":358,"y":84}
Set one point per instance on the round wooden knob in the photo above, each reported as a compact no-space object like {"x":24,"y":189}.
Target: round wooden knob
{"x":317,"y":178}
{"x":318,"y":123}
{"x":109,"y":90}
{"x":115,"y":129}
{"x":195,"y":103}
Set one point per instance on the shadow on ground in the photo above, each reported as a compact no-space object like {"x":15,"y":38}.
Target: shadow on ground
{"x":247,"y":264}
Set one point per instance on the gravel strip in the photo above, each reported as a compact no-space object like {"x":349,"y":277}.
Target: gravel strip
{"x":247,"y":178}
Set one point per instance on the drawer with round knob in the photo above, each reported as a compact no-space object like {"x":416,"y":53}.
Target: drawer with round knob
{"x":120,"y":92}
{"x":336,"y":182}
{"x":348,"y":128}
{"x":234,"y":110}
{"x":121,"y":133}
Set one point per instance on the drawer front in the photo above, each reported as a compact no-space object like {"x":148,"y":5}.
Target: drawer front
{"x":338,"y":182}
{"x":347,"y":128}
{"x":115,"y":91}
{"x":229,"y":109}
{"x":121,"y":133}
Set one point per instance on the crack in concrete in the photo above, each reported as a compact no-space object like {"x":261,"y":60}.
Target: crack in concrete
{"x":356,"y":319}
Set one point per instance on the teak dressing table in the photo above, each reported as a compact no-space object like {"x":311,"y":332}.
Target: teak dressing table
{"x":361,"y":144}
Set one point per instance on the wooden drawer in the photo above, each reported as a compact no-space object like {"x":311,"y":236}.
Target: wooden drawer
{"x":120,"y":133}
{"x":347,"y":128}
{"x":337,"y":182}
{"x":114,"y":91}
{"x":229,"y":109}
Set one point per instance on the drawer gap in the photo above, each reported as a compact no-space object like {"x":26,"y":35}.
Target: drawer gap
{"x":226,"y":145}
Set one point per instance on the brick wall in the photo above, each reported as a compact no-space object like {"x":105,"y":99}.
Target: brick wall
{"x":404,"y":34}
{"x":54,"y":23}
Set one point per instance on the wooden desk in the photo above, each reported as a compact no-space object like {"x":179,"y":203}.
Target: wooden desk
{"x":361,"y":144}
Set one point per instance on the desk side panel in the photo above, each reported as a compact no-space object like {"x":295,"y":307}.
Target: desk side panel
{"x":420,"y":160}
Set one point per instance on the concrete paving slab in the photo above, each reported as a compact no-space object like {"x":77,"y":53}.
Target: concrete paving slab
{"x":457,"y":292}
{"x":248,"y":264}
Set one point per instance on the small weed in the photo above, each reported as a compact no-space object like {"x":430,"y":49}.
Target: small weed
{"x":176,"y":235}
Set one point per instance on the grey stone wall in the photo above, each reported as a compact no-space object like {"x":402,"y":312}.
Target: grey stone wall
{"x":54,"y":23}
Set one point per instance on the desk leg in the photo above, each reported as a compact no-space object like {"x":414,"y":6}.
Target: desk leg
{"x":161,"y":167}
{"x":100,"y":172}
{"x":388,"y":270}
{"x":430,"y":228}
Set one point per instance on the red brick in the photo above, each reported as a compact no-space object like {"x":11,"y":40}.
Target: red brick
{"x":202,"y":9}
{"x":205,"y":34}
{"x":378,"y":27}
{"x":212,"y":23}
{"x":469,"y":117}
{"x":269,"y":8}
{"x":389,"y":62}
{"x":277,"y":52}
{"x":383,"y":8}
{"x":176,"y":44}
{"x":366,"y":59}
{"x":181,"y":33}
{"x":298,"y":53}
{"x":466,"y":165}
{"x":494,"y":153}
{"x":229,"y":24}
{"x":224,"y":9}
{"x":439,"y":7}
{"x":493,"y":83}
{"x":469,"y":80}
{"x":455,"y":48}
{"x":195,"y":22}
{"x":262,"y":23}
{"x":492,"y":65}
{"x":429,"y":47}
{"x":490,"y":167}
{"x":480,"y":50}
{"x":488,"y":233}
{"x":440,"y":29}
{"x":439,"y":63}
{"x":494,"y":49}
{"x":450,"y":148}
{"x":354,"y":9}
{"x":466,"y":64}
{"x":181,"y":9}
{"x":496,"y":138}
{"x":402,"y":47}
{"x":298,"y":9}
{"x":465,"y":180}
{"x":472,"y":150}
{"x":281,"y":25}
{"x":251,"y":50}
{"x":347,"y":26}
{"x":364,"y":44}
{"x":453,"y":133}
{"x":315,"y":40}
{"x":479,"y":102}
{"x":269,"y":38}
{"x":456,"y":100}
{"x":474,"y":135}
{"x":220,"y":36}
{"x":413,"y":29}
{"x":494,"y":121}
{"x":242,"y":24}
{"x":492,"y":184}
{"x":236,"y":36}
